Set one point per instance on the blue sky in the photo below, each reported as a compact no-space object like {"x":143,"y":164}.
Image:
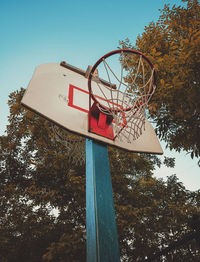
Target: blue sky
{"x":39,"y":31}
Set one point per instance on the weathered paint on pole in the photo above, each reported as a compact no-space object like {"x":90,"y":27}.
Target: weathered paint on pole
{"x":102,"y":240}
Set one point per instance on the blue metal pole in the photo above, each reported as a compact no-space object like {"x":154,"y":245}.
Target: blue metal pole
{"x":102,"y":240}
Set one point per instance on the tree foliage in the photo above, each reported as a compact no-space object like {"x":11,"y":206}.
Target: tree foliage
{"x":173,"y":45}
{"x":37,"y":177}
{"x":43,"y":199}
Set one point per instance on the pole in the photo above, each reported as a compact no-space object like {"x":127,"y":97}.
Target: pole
{"x":102,"y":241}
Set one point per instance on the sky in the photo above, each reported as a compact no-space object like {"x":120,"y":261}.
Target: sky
{"x":79,"y":32}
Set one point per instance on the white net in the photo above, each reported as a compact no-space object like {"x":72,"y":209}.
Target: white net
{"x":126,"y":92}
{"x":74,"y":144}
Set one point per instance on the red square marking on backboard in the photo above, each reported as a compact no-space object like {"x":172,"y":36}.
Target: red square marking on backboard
{"x":71,"y":97}
{"x":72,"y":90}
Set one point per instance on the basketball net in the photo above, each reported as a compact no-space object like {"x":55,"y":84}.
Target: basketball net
{"x":127,"y":99}
{"x":74,"y":144}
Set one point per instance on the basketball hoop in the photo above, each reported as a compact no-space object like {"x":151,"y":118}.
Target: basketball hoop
{"x":111,"y":111}
{"x":130,"y":83}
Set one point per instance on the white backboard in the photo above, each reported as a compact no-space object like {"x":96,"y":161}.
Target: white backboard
{"x":60,"y":94}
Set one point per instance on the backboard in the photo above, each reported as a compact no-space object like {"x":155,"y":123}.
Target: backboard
{"x":60,"y":94}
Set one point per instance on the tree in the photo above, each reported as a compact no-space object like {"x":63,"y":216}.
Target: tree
{"x":152,"y":214}
{"x":37,"y":176}
{"x":173,"y":45}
